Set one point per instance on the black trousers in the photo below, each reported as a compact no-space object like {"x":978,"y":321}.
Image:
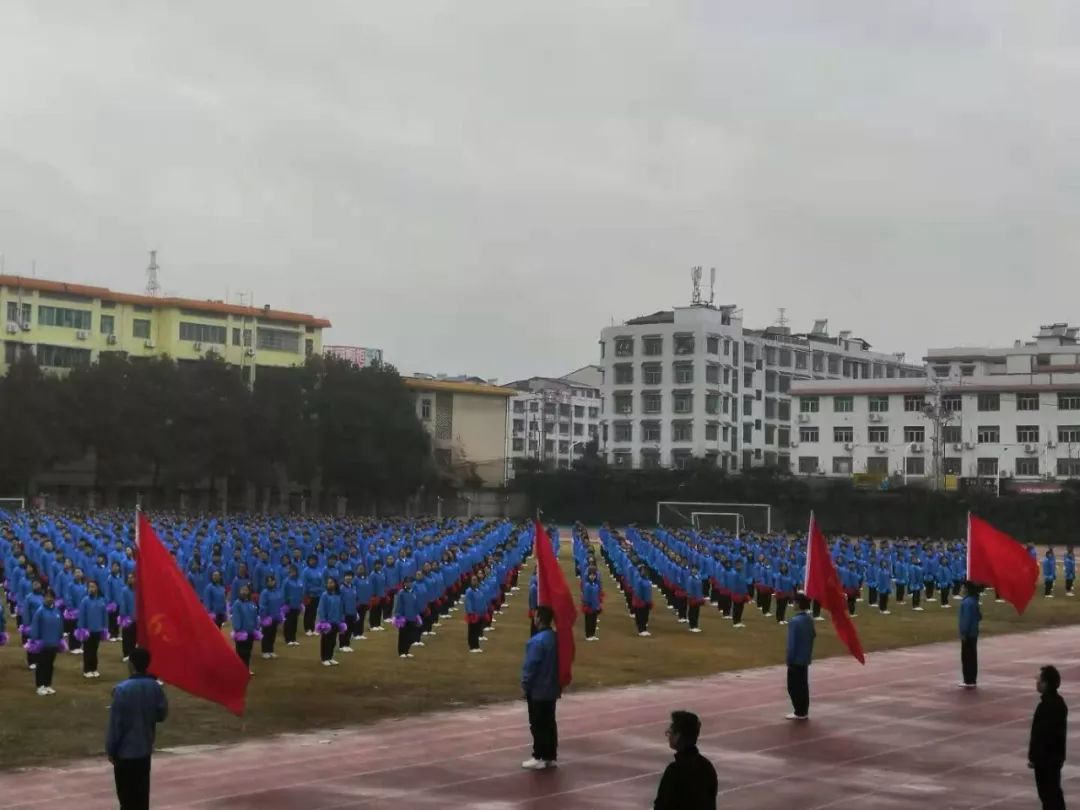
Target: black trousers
{"x":1049,"y":583}
{"x":798,"y":687}
{"x":288,"y":630}
{"x":361,"y":617}
{"x":132,"y":777}
{"x":405,"y":638}
{"x":270,"y":637}
{"x":243,"y":649}
{"x":724,"y":603}
{"x":43,"y":674}
{"x":90,"y":653}
{"x":900,"y":591}
{"x":377,"y":615}
{"x":883,"y":601}
{"x":1068,"y":586}
{"x":545,"y":732}
{"x":694,"y":615}
{"x":473,"y":635}
{"x":114,"y":625}
{"x":930,"y":589}
{"x":310,"y":609}
{"x":326,"y":645}
{"x":851,"y":604}
{"x":872,"y":596}
{"x":781,"y":608}
{"x":344,"y":639}
{"x":590,"y":625}
{"x":916,"y":598}
{"x":737,"y":611}
{"x":127,"y":639}
{"x":1048,"y":783}
{"x":815,"y":608}
{"x":969,"y":659}
{"x":641,"y":618}
{"x":69,"y":631}
{"x":944,"y":594}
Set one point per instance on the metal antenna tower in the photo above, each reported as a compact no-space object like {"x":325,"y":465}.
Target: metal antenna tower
{"x":782,"y":320}
{"x":153,"y":286}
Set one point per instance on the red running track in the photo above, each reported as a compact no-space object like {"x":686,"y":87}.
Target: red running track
{"x":895,"y":734}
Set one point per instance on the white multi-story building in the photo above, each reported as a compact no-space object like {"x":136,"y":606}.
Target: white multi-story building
{"x":981,"y":415}
{"x":693,"y":382}
{"x":552,"y":419}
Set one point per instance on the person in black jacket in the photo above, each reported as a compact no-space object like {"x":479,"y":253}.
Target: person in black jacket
{"x":689,"y":783}
{"x":1046,"y":753}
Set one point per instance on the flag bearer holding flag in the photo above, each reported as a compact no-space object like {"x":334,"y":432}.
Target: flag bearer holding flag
{"x":800,"y":652}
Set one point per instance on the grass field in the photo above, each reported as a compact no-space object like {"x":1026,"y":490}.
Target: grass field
{"x":294,"y":693}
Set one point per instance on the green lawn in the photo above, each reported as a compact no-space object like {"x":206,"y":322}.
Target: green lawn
{"x":294,"y":693}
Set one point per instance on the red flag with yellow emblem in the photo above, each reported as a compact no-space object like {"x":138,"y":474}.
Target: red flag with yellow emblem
{"x":186,"y":648}
{"x":823,"y":585}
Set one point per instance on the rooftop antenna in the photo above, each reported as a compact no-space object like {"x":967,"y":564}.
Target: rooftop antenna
{"x":695,"y":278}
{"x":782,"y":320}
{"x":153,"y":286}
{"x":712,"y":286}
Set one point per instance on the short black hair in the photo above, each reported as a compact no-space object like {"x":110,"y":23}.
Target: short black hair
{"x":687,"y":726}
{"x":1051,"y":677}
{"x":140,"y":660}
{"x":544,"y":615}
{"x":802,"y":601}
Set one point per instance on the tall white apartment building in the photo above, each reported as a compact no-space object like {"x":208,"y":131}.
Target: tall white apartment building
{"x":694,"y":382}
{"x":1007,"y":415}
{"x":552,"y":419}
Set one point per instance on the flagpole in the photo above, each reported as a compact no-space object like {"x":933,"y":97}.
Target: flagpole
{"x":809,"y":548}
{"x":967,"y":562}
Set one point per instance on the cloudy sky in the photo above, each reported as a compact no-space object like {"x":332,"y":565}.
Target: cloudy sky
{"x":481,"y":186}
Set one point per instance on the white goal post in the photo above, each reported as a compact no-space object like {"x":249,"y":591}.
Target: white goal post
{"x":740,"y":521}
{"x":12,"y":504}
{"x":685,"y":510}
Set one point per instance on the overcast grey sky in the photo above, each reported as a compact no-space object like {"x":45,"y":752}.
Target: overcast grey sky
{"x":481,"y":186}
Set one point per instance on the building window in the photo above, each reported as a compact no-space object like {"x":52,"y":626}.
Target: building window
{"x":684,"y":373}
{"x":623,"y":432}
{"x":624,"y":374}
{"x":712,"y":404}
{"x":843,"y":435}
{"x":549,"y":446}
{"x":579,"y":429}
{"x":951,"y":403}
{"x":247,"y":338}
{"x":235,"y":337}
{"x":712,"y":345}
{"x":915,"y":465}
{"x":579,"y":411}
{"x":712,"y":432}
{"x":18,"y":314}
{"x":680,"y":458}
{"x":203,"y":333}
{"x":843,"y":404}
{"x":279,"y":340}
{"x":62,"y":356}
{"x":683,"y":401}
{"x":952,"y":434}
{"x":748,"y":406}
{"x":108,"y":324}
{"x":808,"y":435}
{"x":989,"y":402}
{"x":748,"y":432}
{"x":1068,"y":467}
{"x":1027,"y":434}
{"x":519,"y":424}
{"x":988,"y":434}
{"x":624,"y":347}
{"x":1069,"y":434}
{"x":1069,"y":402}
{"x":914,"y":402}
{"x":534,"y":406}
{"x":564,"y":429}
{"x":651,"y":402}
{"x":425,"y":413}
{"x":770,"y":355}
{"x":66,"y":318}
{"x":624,"y":403}
{"x":682,"y":431}
{"x":801,"y":361}
{"x":808,"y":465}
{"x":1027,"y":402}
{"x":914,"y":434}
{"x":519,"y":445}
{"x":684,"y":344}
{"x":878,"y":404}
{"x":842,"y":465}
{"x":650,"y":431}
{"x":712,"y":374}
{"x":951,"y":465}
{"x":987,"y":467}
{"x":652,"y":374}
{"x":877,"y":465}
{"x":519,"y":406}
{"x":1028,"y":467}
{"x":878,"y":435}
{"x":652,"y":346}
{"x":808,"y":404}
{"x":140,"y":328}
{"x":967,"y":371}
{"x":309,"y":347}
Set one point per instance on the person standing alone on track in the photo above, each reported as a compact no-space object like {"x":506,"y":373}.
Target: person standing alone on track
{"x":138,"y":705}
{"x":540,"y":685}
{"x":1046,"y":752}
{"x":970,"y":616}
{"x":800,"y":652}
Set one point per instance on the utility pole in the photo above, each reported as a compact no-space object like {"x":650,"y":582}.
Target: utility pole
{"x":935,"y":411}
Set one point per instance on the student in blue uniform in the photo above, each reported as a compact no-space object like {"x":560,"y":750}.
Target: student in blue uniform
{"x":214,"y":599}
{"x":1070,"y":571}
{"x":271,"y":607}
{"x":245,"y":623}
{"x":915,"y":578}
{"x":970,"y":616}
{"x":292,"y":592}
{"x":695,"y":598}
{"x":590,"y":605}
{"x":312,"y":578}
{"x":800,"y":653}
{"x":784,"y":587}
{"x":474,"y":608}
{"x":364,"y":592}
{"x":377,"y":604}
{"x":329,"y":621}
{"x":126,"y":611}
{"x":884,"y":587}
{"x":138,"y":705}
{"x":533,"y":603}
{"x":46,"y":633}
{"x":406,"y":618}
{"x":642,"y":601}
{"x":541,"y":689}
{"x":1049,"y":573}
{"x":93,"y":624}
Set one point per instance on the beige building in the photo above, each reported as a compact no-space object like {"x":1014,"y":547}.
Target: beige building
{"x":467,"y":418}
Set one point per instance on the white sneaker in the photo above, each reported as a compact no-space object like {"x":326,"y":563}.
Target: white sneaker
{"x":483,"y":638}
{"x":740,"y":625}
{"x":410,"y":655}
{"x":266,"y":656}
{"x":819,"y":618}
{"x":273,"y":655}
{"x":77,"y":652}
{"x":1049,"y":596}
{"x":767,"y":615}
{"x":346,"y":649}
{"x":433,"y":633}
{"x":534,"y":765}
{"x":360,"y":638}
{"x":327,"y":664}
{"x":683,"y":621}
{"x":33,"y":666}
{"x":309,"y":633}
{"x":886,"y":613}
{"x":477,"y":650}
{"x":783,"y":622}
{"x":645,"y":634}
{"x":88,"y":675}
{"x":334,"y":662}
{"x":41,"y":690}
{"x":419,"y":644}
{"x":919,"y":610}
{"x":695,"y":629}
{"x":125,"y":659}
{"x":403,"y":656}
{"x":797,"y":717}
{"x":1002,"y":601}
{"x":293,"y":644}
{"x":49,"y":690}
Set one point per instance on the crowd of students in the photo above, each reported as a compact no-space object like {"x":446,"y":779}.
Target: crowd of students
{"x":69,"y":581}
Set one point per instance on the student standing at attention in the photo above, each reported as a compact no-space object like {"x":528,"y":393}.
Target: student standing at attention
{"x":138,"y":705}
{"x":540,"y":686}
{"x":970,"y":616}
{"x":1046,"y":752}
{"x":800,"y":652}
{"x":689,"y":783}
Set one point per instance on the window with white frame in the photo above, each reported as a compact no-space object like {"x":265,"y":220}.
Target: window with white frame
{"x":1027,"y":402}
{"x":878,"y":404}
{"x":914,"y":402}
{"x":988,"y":434}
{"x":1069,"y":402}
{"x":877,"y":435}
{"x":914,"y":434}
{"x":843,"y":404}
{"x":986,"y":466}
{"x":1027,"y":434}
{"x":808,"y":435}
{"x":843,"y":435}
{"x":809,"y":404}
{"x":1027,"y":467}
{"x":989,"y":402}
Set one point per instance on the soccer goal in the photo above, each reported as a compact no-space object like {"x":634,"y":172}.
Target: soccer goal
{"x":753,"y":516}
{"x":12,"y":504}
{"x":718,"y":520}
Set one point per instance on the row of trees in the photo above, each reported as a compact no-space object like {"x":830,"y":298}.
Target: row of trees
{"x":167,"y":426}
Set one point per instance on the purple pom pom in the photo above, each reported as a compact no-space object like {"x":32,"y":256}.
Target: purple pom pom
{"x":322,"y":627}
{"x":342,"y":627}
{"x":240,"y":635}
{"x":3,"y":639}
{"x":418,"y":619}
{"x":284,"y":612}
{"x":258,"y":635}
{"x":71,"y":615}
{"x":59,"y":604}
{"x":33,"y":647}
{"x":111,"y":607}
{"x":24,"y":629}
{"x":82,"y":634}
{"x":266,"y":621}
{"x":399,"y":622}
{"x":63,"y":645}
{"x":126,"y":621}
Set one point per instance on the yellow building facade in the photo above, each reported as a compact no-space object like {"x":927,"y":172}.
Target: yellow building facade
{"x":70,"y":325}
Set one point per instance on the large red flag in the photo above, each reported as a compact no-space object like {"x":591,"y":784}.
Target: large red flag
{"x":823,"y":585}
{"x":552,"y":590}
{"x":186,"y":649}
{"x":996,"y":559}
